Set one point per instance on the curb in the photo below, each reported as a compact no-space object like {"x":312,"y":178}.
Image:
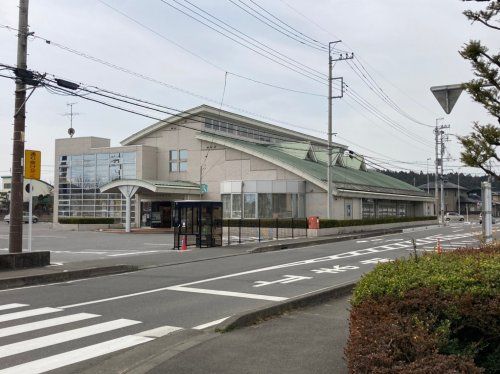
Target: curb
{"x":30,"y":280}
{"x":310,"y":243}
{"x":255,"y":316}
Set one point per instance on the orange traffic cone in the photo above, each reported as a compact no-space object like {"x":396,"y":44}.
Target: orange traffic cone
{"x":184,"y":243}
{"x":439,"y":249}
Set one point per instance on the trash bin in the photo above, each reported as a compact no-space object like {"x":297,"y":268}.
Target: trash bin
{"x":313,"y":222}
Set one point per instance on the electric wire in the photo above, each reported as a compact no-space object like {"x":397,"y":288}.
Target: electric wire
{"x":260,"y":51}
{"x":262,"y":18}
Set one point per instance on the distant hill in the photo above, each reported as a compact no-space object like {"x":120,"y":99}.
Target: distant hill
{"x":466,"y":180}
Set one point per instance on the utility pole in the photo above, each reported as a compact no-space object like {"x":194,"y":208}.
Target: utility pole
{"x":16,"y":196}
{"x":441,"y":141}
{"x":329,"y":190}
{"x":458,"y":190}
{"x":428,"y":175}
{"x":436,"y":198}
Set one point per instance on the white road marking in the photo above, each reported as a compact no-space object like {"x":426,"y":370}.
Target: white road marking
{"x":375,"y":260}
{"x":38,"y":325}
{"x":158,"y":332}
{"x":210,"y":324}
{"x":228,"y":293}
{"x":285,"y":280}
{"x":361,"y":241}
{"x":159,"y":244}
{"x":12,"y":306}
{"x":132,"y":253}
{"x":61,"y":337}
{"x":27,"y":313}
{"x":334,"y":270}
{"x":71,"y":357}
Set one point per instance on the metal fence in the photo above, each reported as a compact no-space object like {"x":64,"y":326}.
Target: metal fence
{"x":237,"y":231}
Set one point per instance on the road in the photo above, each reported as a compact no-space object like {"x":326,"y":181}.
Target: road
{"x":71,"y":246}
{"x":70,"y":326}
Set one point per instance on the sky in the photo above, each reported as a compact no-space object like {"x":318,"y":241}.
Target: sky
{"x":406,"y":47}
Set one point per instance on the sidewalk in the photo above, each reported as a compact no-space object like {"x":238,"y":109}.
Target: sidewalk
{"x":309,"y":340}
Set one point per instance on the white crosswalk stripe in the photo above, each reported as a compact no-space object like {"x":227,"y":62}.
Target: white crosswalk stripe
{"x":61,"y":358}
{"x":77,"y":355}
{"x":38,"y":325}
{"x":27,"y":313}
{"x":11,"y":306}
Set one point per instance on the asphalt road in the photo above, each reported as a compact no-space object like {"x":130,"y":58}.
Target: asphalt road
{"x":79,"y":322}
{"x":72,"y":246}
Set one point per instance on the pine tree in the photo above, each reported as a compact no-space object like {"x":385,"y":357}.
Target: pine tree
{"x":479,"y":147}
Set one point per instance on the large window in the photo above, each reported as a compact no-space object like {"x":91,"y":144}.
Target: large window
{"x":178,"y":160}
{"x":264,"y":205}
{"x":80,"y":177}
{"x":249,"y":205}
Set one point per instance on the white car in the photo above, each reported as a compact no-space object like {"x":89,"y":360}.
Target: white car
{"x":26,"y":218}
{"x":453,"y":216}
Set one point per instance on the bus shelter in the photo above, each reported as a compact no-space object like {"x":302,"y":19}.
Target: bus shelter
{"x":197,"y":222}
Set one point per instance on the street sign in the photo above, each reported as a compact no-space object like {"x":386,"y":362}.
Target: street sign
{"x":32,"y":164}
{"x":447,"y":96}
{"x":204,"y":188}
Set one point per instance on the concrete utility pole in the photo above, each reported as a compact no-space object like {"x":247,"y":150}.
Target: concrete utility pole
{"x":436,"y":198}
{"x":442,"y":174}
{"x":487,"y":207}
{"x":16,"y":195}
{"x":329,"y":190}
{"x":458,"y":190}
{"x":428,"y":187}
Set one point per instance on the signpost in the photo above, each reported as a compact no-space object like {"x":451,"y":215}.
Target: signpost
{"x":447,"y":96}
{"x":32,"y":171}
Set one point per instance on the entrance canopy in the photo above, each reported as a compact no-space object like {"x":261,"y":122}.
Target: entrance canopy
{"x":152,"y":186}
{"x":130,"y":187}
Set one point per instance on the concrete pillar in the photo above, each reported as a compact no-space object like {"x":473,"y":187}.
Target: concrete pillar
{"x":128,"y":192}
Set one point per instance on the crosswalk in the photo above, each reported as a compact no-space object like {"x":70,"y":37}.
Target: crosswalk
{"x":58,"y":335}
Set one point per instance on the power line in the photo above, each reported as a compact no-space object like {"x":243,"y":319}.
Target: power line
{"x":156,"y":81}
{"x":283,"y":61}
{"x":366,"y":78}
{"x":262,"y":18}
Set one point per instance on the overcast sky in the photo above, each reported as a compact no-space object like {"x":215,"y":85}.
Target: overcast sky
{"x":407,"y":46}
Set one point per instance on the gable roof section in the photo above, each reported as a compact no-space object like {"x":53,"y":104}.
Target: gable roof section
{"x":198,"y":113}
{"x":316,"y":172}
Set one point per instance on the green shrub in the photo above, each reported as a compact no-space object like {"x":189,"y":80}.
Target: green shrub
{"x":432,"y":314}
{"x":472,"y":271}
{"x":85,"y":220}
{"x":327,"y":223}
{"x":267,"y":222}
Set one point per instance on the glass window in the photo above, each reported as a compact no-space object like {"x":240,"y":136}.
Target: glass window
{"x":174,"y":166}
{"x":183,"y":154}
{"x":183,"y":166}
{"x":236,"y":206}
{"x":114,"y":172}
{"x":128,"y":157}
{"x":265,"y":205}
{"x":226,"y":204}
{"x":249,"y":205}
{"x":114,"y":159}
{"x":128,"y":171}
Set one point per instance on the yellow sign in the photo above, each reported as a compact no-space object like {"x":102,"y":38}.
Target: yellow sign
{"x":32,"y":164}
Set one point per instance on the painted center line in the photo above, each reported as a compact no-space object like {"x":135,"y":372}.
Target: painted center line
{"x":210,"y":324}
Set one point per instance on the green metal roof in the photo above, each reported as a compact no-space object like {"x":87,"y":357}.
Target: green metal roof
{"x":343,"y":177}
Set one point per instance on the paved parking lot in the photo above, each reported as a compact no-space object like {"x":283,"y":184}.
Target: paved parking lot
{"x":69,"y":246}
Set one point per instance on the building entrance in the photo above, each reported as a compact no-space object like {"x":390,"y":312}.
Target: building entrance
{"x":156,"y":214}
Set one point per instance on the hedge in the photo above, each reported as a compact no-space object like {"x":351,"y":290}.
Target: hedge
{"x":267,"y":222}
{"x":430,"y":314}
{"x":85,"y":220}
{"x":327,"y":223}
